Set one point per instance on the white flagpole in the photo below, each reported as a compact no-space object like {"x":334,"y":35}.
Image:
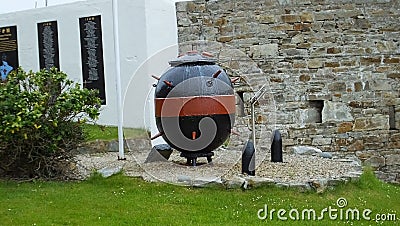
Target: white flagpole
{"x":118,"y":80}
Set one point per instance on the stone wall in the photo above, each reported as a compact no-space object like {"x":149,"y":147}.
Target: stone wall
{"x":333,"y":68}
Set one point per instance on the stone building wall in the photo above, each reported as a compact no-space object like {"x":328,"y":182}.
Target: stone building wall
{"x":332,"y":66}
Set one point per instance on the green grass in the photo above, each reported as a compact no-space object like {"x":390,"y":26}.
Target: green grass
{"x":120,"y":200}
{"x":98,"y":132}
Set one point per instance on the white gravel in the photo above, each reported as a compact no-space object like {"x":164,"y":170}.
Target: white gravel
{"x":226,"y":164}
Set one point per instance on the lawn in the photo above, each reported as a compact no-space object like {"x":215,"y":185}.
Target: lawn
{"x":93,"y":132}
{"x":120,"y":200}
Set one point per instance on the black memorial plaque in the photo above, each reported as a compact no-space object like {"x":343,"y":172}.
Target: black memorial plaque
{"x":92,"y":54}
{"x":48,"y":45}
{"x":8,"y":51}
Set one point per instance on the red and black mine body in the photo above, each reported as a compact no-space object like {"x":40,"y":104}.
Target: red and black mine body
{"x":194,"y":88}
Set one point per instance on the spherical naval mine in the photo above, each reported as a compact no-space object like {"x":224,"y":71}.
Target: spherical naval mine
{"x":194,"y":104}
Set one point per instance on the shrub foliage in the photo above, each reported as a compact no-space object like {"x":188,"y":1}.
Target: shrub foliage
{"x":41,"y":117}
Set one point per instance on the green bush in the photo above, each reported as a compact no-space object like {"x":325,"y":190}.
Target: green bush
{"x":41,"y":117}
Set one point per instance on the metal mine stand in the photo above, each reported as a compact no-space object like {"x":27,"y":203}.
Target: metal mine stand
{"x":192,"y":157}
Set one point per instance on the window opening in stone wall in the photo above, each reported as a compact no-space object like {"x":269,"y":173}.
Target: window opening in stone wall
{"x":317,"y":105}
{"x":392,"y":117}
{"x":240,"y":105}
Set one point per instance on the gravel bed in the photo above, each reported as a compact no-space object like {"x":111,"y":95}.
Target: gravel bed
{"x":226,"y":164}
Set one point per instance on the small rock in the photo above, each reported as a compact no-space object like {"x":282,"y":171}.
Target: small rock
{"x":354,"y":176}
{"x":184,"y":178}
{"x":109,"y":171}
{"x":356,"y":161}
{"x":375,"y":161}
{"x":207,"y":182}
{"x":302,"y":187}
{"x":345,"y":160}
{"x":318,"y":185}
{"x":305,"y":150}
{"x":325,"y":155}
{"x":255,"y":182}
{"x":113,"y":146}
{"x":282,"y":185}
{"x":236,"y":182}
{"x":334,"y":182}
{"x":349,"y":177}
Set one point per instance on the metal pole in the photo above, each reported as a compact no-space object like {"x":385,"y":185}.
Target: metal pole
{"x":118,"y":80}
{"x":253,"y":101}
{"x":253,"y":124}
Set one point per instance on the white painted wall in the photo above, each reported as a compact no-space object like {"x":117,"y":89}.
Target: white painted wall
{"x":8,"y":6}
{"x":146,"y":27}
